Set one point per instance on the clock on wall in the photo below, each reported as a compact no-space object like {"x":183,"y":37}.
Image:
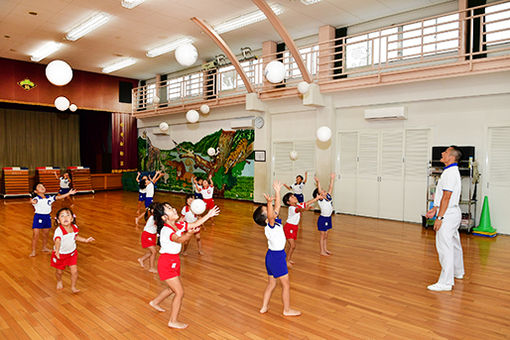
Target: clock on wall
{"x":259,"y":122}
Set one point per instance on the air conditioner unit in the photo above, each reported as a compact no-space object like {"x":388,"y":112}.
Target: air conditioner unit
{"x":385,"y":113}
{"x":157,"y":131}
{"x":246,"y":123}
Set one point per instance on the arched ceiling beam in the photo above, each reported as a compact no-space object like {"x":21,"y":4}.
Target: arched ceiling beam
{"x":228,"y":52}
{"x":278,"y":26}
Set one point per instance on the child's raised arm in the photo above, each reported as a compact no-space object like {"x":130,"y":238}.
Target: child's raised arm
{"x":287,"y":187}
{"x":61,"y":197}
{"x":331,"y":181}
{"x":317,"y":183}
{"x":270,"y":210}
{"x":85,"y":240}
{"x":138,"y":177}
{"x":277,"y":187}
{"x":56,"y":176}
{"x":211,"y":213}
{"x":306,"y":177}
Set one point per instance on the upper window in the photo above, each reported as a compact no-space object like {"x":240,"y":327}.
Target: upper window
{"x":497,"y":24}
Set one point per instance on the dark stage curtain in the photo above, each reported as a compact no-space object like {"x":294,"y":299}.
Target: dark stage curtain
{"x":124,"y":143}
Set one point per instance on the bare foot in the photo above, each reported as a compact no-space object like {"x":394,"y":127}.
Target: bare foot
{"x":289,"y":264}
{"x":46,"y":250}
{"x":32,"y":254}
{"x":60,"y":285}
{"x":329,"y":253}
{"x":75,"y":290}
{"x":324,"y":254}
{"x":177,"y":324}
{"x":184,"y":253}
{"x":291,"y":312}
{"x":156,"y":307}
{"x":264,"y":309}
{"x":141,"y":262}
{"x":136,"y":221}
{"x":153,"y":270}
{"x":200,"y":252}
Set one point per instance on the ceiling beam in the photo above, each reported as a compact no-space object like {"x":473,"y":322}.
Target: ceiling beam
{"x":278,"y":26}
{"x":224,"y":47}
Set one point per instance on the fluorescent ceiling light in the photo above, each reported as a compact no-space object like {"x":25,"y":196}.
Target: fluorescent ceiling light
{"x":118,"y":65}
{"x":245,"y":20}
{"x":45,"y":50}
{"x":167,"y":47}
{"x":129,"y":4}
{"x":88,"y":26}
{"x":310,"y":2}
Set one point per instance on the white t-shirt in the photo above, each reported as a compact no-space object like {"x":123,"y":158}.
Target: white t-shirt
{"x":449,"y":181}
{"x":64,"y":183}
{"x":150,"y":226}
{"x":43,"y":205}
{"x":207,"y":193}
{"x":297,"y":188}
{"x":189,"y":216}
{"x":294,"y":217}
{"x":67,"y":240}
{"x":149,"y":190}
{"x":196,"y":187}
{"x":167,"y":245}
{"x":326,"y":206}
{"x":142,"y":191}
{"x":275,"y":236}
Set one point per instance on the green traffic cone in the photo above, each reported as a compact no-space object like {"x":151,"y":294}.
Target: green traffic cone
{"x":485,"y":220}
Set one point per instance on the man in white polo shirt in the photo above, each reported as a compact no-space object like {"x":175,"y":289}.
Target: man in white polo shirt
{"x":449,"y":215}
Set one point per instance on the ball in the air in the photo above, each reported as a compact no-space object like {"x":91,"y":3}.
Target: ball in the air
{"x":198,"y":206}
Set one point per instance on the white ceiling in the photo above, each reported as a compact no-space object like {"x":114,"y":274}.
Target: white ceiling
{"x":155,"y":22}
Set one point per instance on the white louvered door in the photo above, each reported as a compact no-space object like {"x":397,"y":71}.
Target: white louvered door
{"x":416,"y":158}
{"x":499,"y":178}
{"x":391,"y":179}
{"x":345,"y":187}
{"x":367,"y":185}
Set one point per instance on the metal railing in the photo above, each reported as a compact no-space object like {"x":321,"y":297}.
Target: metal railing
{"x":451,"y":38}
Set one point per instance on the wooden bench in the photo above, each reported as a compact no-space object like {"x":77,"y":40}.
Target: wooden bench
{"x":16,"y":182}
{"x":48,"y":176}
{"x":81,"y":180}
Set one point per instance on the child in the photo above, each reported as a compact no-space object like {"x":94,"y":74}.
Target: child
{"x":65,"y":184}
{"x":42,"y":219}
{"x":324,"y":221}
{"x":173,"y":234}
{"x":141,"y":191}
{"x":207,"y":191}
{"x":149,"y":239}
{"x":190,"y":217}
{"x":291,"y":226}
{"x":297,"y":188}
{"x":149,"y":191}
{"x":276,"y":265}
{"x":197,"y":186}
{"x":64,"y":252}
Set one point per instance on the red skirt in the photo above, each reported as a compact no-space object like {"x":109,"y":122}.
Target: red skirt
{"x":65,"y":260}
{"x":148,"y":239}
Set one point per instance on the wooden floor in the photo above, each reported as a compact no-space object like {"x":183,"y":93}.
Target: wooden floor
{"x":373,"y":287}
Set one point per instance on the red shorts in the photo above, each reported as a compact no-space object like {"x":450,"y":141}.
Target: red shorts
{"x":209,"y":203}
{"x":169,"y":266}
{"x":65,"y":260}
{"x":290,"y":231}
{"x":148,"y":239}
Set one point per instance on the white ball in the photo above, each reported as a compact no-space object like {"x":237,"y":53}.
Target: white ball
{"x":204,"y":108}
{"x":163,"y":126}
{"x":156,"y":100}
{"x":192,"y":116}
{"x":303,"y":87}
{"x":275,"y":72}
{"x":211,"y":152}
{"x":62,"y":103}
{"x":198,"y":206}
{"x":323,"y":133}
{"x":293,"y":155}
{"x":59,"y":73}
{"x":73,"y":107}
{"x":186,"y":54}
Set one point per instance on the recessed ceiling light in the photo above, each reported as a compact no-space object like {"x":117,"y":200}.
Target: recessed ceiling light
{"x":45,"y":50}
{"x":245,"y":20}
{"x":12,"y":50}
{"x":118,"y":65}
{"x":167,"y":47}
{"x":310,"y":2}
{"x":7,"y":36}
{"x":32,"y":13}
{"x":88,"y":26}
{"x":129,"y":4}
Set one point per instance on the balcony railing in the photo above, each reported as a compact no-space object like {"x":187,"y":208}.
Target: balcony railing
{"x":454,"y":38}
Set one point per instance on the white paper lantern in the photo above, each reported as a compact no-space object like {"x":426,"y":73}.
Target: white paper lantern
{"x":204,"y":108}
{"x":186,"y":54}
{"x":163,"y":126}
{"x":192,"y":116}
{"x":293,"y":155}
{"x":198,"y":206}
{"x":303,"y":87}
{"x":62,"y":103}
{"x":275,"y":72}
{"x":211,"y":152}
{"x":73,"y":107}
{"x":323,"y":133}
{"x":59,"y":73}
{"x":156,"y":100}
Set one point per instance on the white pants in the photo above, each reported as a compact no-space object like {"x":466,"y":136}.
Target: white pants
{"x":449,"y":248}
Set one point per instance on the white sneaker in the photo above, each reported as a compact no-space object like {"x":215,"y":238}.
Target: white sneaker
{"x":437,"y":287}
{"x":459,"y":277}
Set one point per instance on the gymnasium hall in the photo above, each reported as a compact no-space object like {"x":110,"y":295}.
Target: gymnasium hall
{"x":254,"y":169}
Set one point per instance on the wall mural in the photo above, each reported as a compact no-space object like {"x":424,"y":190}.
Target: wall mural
{"x":232,"y":166}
